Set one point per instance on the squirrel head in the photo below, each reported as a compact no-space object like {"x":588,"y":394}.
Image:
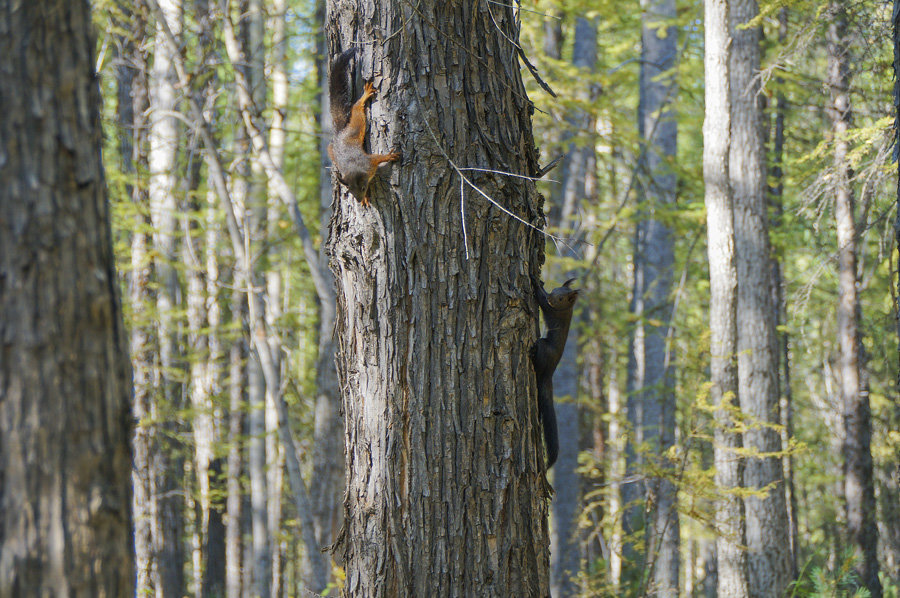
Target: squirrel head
{"x":563,"y":298}
{"x":358,"y":184}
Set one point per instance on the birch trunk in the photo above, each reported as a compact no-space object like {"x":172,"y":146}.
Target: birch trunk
{"x":729,"y":517}
{"x":65,"y":378}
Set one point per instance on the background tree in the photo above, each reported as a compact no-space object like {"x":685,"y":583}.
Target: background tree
{"x":65,"y":422}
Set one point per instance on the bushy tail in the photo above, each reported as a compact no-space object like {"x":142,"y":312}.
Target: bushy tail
{"x":548,"y":419}
{"x":338,"y":90}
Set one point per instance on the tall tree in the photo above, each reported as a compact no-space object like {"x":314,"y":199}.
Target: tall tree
{"x":651,"y":397}
{"x":731,"y":560}
{"x":859,"y":490}
{"x":167,"y":462}
{"x":568,"y":198}
{"x":65,"y":379}
{"x":436,"y":314}
{"x":768,"y":542}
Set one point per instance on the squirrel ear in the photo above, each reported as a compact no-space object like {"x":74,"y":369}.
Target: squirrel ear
{"x":568,"y":283}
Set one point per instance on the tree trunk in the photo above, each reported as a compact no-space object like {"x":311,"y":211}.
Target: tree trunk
{"x":234,"y":502}
{"x":653,"y":282}
{"x":133,"y":101}
{"x":167,"y":462}
{"x":65,"y":421}
{"x":572,"y":193}
{"x":731,"y":560}
{"x":859,"y":491}
{"x":769,"y":554}
{"x":446,"y":493}
{"x":786,"y":399}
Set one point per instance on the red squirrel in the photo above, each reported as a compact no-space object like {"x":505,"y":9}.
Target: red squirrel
{"x":353,"y":166}
{"x":557,"y":308}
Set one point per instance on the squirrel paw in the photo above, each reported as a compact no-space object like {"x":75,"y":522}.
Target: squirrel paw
{"x":369,"y":90}
{"x":394,"y":156}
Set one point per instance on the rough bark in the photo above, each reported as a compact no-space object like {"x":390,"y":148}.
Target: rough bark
{"x":445,"y":482}
{"x":654,"y":247}
{"x":769,"y":554}
{"x":729,"y":517}
{"x":859,"y":490}
{"x":65,"y":378}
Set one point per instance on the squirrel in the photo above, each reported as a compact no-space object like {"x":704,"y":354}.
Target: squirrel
{"x":557,"y":308}
{"x":353,"y":166}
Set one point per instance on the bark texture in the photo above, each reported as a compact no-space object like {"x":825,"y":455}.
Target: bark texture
{"x":859,"y":490}
{"x":65,"y":379}
{"x":731,"y":559}
{"x":767,"y":530}
{"x":445,"y":487}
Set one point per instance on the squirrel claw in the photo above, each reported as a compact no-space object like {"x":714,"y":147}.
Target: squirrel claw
{"x":370,"y":89}
{"x":365,"y":201}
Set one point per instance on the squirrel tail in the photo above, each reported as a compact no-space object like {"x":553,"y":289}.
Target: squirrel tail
{"x":548,"y":420}
{"x":338,"y":91}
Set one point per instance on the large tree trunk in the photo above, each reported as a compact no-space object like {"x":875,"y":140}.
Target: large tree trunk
{"x":731,"y":559}
{"x":446,"y":493}
{"x":65,"y":379}
{"x":859,"y":491}
{"x":768,"y":542}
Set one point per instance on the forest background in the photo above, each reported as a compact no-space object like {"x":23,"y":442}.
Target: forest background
{"x":238,"y":468}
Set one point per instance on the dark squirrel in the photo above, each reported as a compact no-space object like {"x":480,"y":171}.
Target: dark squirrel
{"x":353,"y":166}
{"x":557,"y":308}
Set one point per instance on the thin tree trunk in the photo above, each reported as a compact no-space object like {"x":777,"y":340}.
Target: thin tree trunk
{"x":567,"y":203}
{"x":167,"y":461}
{"x":446,"y":491}
{"x":133,"y":122}
{"x":731,"y":564}
{"x":786,"y":400}
{"x":274,"y":284}
{"x":767,"y":530}
{"x":859,"y":491}
{"x":65,"y":378}
{"x":234,"y":502}
{"x":656,"y":183}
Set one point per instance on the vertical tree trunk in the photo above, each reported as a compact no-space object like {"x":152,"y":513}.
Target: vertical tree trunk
{"x":786,"y":399}
{"x":769,"y":554}
{"x":133,"y":103}
{"x":65,"y":421}
{"x":859,"y":489}
{"x":567,"y":202}
{"x":234,"y":504}
{"x":167,"y":460}
{"x":446,"y":491}
{"x":731,"y":559}
{"x":656,"y":184}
